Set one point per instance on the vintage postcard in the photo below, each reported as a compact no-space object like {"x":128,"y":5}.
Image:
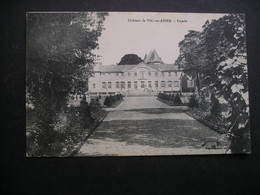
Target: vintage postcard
{"x":136,"y":84}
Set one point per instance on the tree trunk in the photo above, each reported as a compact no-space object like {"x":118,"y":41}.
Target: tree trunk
{"x":198,"y":83}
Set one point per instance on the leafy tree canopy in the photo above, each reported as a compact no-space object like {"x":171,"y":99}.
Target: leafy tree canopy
{"x":216,"y":58}
{"x":59,"y":56}
{"x":130,"y":59}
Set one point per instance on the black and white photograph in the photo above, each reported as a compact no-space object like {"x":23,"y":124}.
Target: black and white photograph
{"x":136,"y":84}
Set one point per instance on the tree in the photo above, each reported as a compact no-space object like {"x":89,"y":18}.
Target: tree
{"x":130,"y":59}
{"x":59,"y":59}
{"x":190,"y":59}
{"x":226,"y":38}
{"x":217,"y":55}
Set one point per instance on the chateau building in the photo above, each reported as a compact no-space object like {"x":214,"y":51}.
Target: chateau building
{"x":150,"y":76}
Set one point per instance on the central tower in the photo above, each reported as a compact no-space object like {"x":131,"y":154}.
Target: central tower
{"x":153,"y":58}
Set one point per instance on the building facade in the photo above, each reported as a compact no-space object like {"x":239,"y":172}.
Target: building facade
{"x":151,"y":77}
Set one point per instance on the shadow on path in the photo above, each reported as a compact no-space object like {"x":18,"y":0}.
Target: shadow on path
{"x":156,"y":133}
{"x":158,"y":110}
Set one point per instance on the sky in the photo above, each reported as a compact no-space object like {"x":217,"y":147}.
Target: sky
{"x":131,"y":32}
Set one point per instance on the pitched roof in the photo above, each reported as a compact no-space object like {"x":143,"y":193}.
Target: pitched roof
{"x":164,"y":67}
{"x":113,"y":68}
{"x":123,"y":68}
{"x":152,"y":57}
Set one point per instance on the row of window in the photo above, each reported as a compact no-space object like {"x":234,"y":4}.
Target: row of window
{"x":141,"y":73}
{"x":143,"y":84}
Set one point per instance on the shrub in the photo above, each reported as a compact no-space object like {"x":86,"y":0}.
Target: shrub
{"x":203,"y":104}
{"x":172,"y":97}
{"x":112,"y":99}
{"x":193,"y":102}
{"x":177,"y":100}
{"x":215,"y":108}
{"x":40,"y":142}
{"x":107,"y":101}
{"x":85,"y":114}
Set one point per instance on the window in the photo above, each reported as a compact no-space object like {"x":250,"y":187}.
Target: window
{"x":94,"y":86}
{"x":129,"y":74}
{"x":129,"y":84}
{"x":150,"y":84}
{"x":176,"y":84}
{"x":190,"y":83}
{"x":103,"y":85}
{"x":122,"y":74}
{"x":169,"y":74}
{"x":169,"y":83}
{"x":117,"y":85}
{"x":117,"y":74}
{"x":176,"y":74}
{"x":109,"y":85}
{"x":122,"y":84}
{"x":142,"y":84}
{"x":149,"y":73}
{"x":162,"y":84}
{"x":135,"y":84}
{"x":156,"y":74}
{"x":135,"y":73}
{"x":142,"y":74}
{"x":156,"y":84}
{"x":162,"y":74}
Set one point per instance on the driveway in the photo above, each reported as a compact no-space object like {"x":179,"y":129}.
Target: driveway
{"x":146,"y":126}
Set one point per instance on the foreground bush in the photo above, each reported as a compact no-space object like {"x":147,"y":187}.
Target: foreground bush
{"x":111,"y":101}
{"x":209,"y":113}
{"x":170,"y":99}
{"x":66,"y":134}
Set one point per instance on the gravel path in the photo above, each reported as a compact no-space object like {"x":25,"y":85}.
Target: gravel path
{"x":146,"y":126}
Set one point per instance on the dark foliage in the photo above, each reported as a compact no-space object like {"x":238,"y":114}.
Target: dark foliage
{"x":193,"y":102}
{"x":59,"y":60}
{"x":67,"y":134}
{"x":215,"y":108}
{"x":130,"y":59}
{"x":177,"y":100}
{"x":112,"y":100}
{"x":216,"y":54}
{"x":170,"y":99}
{"x":203,"y":104}
{"x":241,"y":140}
